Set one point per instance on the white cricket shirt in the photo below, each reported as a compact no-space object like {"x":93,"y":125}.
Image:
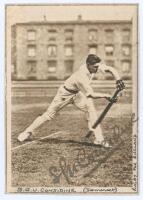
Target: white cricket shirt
{"x":81,"y":80}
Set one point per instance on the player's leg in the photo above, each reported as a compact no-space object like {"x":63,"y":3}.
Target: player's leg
{"x":35,"y":124}
{"x":57,"y":104}
{"x":87,"y":106}
{"x":92,"y":118}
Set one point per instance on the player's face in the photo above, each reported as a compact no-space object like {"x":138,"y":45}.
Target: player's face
{"x":93,"y":68}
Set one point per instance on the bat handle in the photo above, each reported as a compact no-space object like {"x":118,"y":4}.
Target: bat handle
{"x":116,"y":93}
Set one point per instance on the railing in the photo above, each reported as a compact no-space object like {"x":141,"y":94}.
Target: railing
{"x":49,"y":88}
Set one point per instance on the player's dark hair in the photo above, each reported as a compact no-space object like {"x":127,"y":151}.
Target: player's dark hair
{"x":92,"y":59}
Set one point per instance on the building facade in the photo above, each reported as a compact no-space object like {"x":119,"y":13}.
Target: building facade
{"x":54,"y":50}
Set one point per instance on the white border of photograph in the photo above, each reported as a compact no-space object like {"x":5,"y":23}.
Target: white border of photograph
{"x":3,"y":195}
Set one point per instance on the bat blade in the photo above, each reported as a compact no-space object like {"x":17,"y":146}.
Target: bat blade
{"x":103,"y":114}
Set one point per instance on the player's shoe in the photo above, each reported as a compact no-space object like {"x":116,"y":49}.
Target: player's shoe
{"x":106,"y":144}
{"x":103,"y":144}
{"x":24,"y":136}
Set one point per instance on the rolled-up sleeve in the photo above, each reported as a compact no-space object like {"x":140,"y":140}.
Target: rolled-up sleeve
{"x":103,"y":68}
{"x":113,"y":71}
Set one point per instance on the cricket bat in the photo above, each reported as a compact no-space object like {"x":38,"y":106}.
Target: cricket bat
{"x":103,"y":114}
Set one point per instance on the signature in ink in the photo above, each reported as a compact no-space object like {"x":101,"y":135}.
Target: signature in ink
{"x":84,"y":159}
{"x":69,"y":171}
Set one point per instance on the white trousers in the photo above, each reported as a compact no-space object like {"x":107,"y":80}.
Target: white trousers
{"x":64,"y":98}
{"x":83,"y":103}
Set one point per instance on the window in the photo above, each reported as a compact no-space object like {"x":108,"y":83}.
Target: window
{"x":109,"y":35}
{"x":69,"y":66}
{"x":31,"y":50}
{"x":69,"y":40}
{"x":92,"y":35}
{"x":110,"y":63}
{"x":92,"y":49}
{"x":108,"y":75}
{"x":52,"y":39}
{"x":31,"y":68}
{"x":109,"y":50}
{"x":68,"y":50}
{"x":52,"y":66}
{"x":126,"y":35}
{"x":126,"y":50}
{"x":52,"y":50}
{"x":126,"y":66}
{"x":68,"y":33}
{"x":31,"y":35}
{"x":52,"y":34}
{"x":52,"y":31}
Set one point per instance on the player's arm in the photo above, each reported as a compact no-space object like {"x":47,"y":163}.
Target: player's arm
{"x":97,"y":95}
{"x":112,"y":71}
{"x":119,"y":82}
{"x":85,"y":87}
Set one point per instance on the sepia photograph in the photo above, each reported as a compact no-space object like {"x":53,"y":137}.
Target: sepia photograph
{"x":71,"y":98}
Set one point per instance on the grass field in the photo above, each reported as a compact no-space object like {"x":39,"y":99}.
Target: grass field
{"x":66,"y":158}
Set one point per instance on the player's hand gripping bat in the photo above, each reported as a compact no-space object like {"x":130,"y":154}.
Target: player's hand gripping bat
{"x":120,"y":87}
